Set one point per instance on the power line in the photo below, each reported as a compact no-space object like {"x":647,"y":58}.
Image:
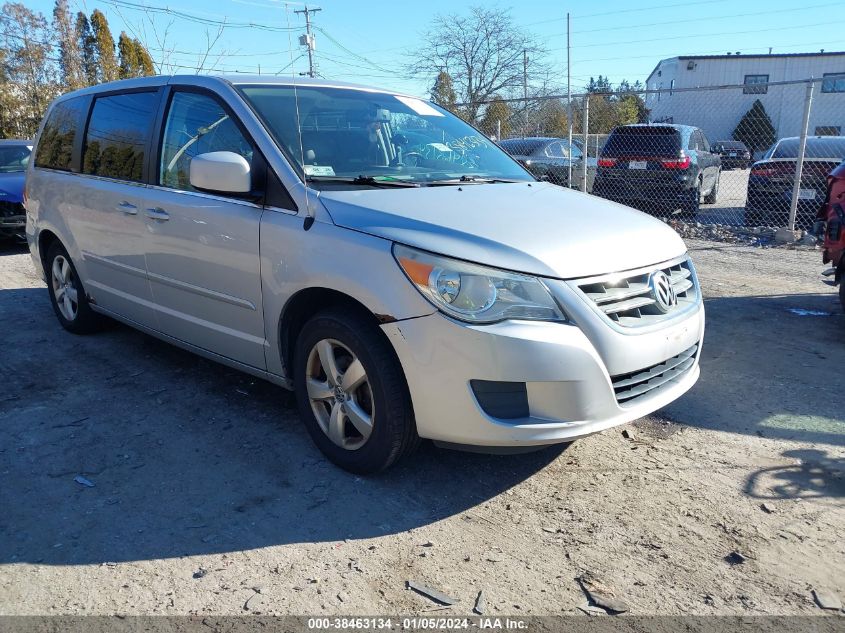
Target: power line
{"x":125,"y":4}
{"x":685,"y":37}
{"x":634,"y":10}
{"x":697,"y":19}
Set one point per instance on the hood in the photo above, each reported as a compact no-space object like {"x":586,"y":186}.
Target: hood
{"x":540,"y":229}
{"x":11,"y":187}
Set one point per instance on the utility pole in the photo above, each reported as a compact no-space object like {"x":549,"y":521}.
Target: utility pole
{"x":308,"y":40}
{"x":569,"y":103}
{"x":524,"y":92}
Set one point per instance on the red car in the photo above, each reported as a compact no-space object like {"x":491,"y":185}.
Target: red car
{"x":831,"y":221}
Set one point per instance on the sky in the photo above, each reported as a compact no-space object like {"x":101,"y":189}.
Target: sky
{"x":368,"y":41}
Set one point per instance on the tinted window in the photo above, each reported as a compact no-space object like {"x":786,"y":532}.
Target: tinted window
{"x":13,"y":158}
{"x":118,"y":132}
{"x":55,"y":146}
{"x":196,"y":124}
{"x":832,"y":147}
{"x":643,"y":141}
{"x":522,"y":146}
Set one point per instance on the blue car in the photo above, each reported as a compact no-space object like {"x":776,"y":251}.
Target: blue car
{"x":14,"y":156}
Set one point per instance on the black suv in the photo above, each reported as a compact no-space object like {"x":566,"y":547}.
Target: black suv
{"x":658,"y":168}
{"x":734,"y":154}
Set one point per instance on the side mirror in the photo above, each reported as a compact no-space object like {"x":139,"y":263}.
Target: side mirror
{"x":223,"y":172}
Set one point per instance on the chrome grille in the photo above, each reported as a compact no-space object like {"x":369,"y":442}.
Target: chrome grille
{"x":630,"y":386}
{"x":627,"y":300}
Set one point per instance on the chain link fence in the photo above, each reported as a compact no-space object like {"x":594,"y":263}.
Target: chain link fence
{"x":750,"y":155}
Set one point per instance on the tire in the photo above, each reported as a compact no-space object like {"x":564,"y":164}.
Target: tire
{"x":752,"y":217}
{"x":693,"y":203}
{"x":842,"y":292}
{"x":67,"y":295}
{"x":340,"y":338}
{"x":710,"y":198}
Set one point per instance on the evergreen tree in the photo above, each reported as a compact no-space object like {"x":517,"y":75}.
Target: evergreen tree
{"x":70,"y":63}
{"x":107,"y":67}
{"x":497,"y":111}
{"x":443,"y":92}
{"x":146,"y":67}
{"x":87,"y":48}
{"x":27,"y":78}
{"x":128,"y":56}
{"x":755,"y":129}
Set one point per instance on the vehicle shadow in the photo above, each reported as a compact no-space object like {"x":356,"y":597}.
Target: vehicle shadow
{"x":817,"y":474}
{"x":770,"y":366}
{"x":12,"y":247}
{"x":118,"y":447}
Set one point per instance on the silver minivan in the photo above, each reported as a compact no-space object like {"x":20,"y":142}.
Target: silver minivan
{"x":367,"y":249}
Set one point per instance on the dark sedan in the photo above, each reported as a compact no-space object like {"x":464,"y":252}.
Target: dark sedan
{"x":734,"y":154}
{"x":14,"y":156}
{"x":549,"y":157}
{"x":772,"y":180}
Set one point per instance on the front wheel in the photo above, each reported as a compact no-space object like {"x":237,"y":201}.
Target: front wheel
{"x":351,"y":392}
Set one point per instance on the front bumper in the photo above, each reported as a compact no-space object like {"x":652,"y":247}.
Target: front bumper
{"x":567,"y":378}
{"x":13,"y":225}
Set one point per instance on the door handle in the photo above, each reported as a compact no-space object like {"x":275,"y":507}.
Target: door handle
{"x":157,"y":214}
{"x":128,"y":208}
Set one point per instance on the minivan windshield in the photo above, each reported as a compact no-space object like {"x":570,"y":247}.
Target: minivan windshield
{"x":368,"y":138}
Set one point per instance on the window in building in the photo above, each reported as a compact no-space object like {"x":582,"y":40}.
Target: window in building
{"x":828,"y":130}
{"x":671,"y":87}
{"x":833,"y":82}
{"x":756,"y":85}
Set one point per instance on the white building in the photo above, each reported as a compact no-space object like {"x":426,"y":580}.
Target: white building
{"x":717,"y":112}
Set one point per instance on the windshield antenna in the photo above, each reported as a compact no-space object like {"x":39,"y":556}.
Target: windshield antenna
{"x":309,"y":212}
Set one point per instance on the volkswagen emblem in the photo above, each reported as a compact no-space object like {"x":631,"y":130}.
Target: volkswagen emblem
{"x":662,"y":291}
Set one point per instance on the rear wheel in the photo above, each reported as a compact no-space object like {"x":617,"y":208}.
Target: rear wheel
{"x":690,"y":209}
{"x":710,"y":198}
{"x":67,"y":294}
{"x":352,"y":393}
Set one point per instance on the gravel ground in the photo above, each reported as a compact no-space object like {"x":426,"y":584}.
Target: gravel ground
{"x":209,"y":498}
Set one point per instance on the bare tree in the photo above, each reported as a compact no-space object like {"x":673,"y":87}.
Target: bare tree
{"x":484,"y":52}
{"x":155,"y":38}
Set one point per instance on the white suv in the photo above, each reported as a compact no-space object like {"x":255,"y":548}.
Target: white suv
{"x":369,"y":250}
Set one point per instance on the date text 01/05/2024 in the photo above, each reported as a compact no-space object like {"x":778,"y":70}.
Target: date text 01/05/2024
{"x":415,"y":623}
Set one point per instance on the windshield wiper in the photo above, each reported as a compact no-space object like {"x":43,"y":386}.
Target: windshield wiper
{"x":482,"y":180}
{"x":370,"y":181}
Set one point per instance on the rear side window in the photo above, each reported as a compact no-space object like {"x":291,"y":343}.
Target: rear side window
{"x":55,"y":146}
{"x":643,"y":141}
{"x":118,"y":133}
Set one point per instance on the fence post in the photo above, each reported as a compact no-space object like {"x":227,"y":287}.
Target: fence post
{"x":802,"y":144}
{"x":498,"y":129}
{"x":586,"y":118}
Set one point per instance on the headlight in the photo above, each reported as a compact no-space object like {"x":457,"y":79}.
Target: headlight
{"x":474,"y":293}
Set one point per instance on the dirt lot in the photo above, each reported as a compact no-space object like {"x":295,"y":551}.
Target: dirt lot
{"x":208,"y":497}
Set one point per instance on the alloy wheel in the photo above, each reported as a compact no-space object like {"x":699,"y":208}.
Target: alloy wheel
{"x":340,"y":394}
{"x":64,"y":290}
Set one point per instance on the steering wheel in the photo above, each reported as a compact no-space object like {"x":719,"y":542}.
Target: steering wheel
{"x":412,"y":159}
